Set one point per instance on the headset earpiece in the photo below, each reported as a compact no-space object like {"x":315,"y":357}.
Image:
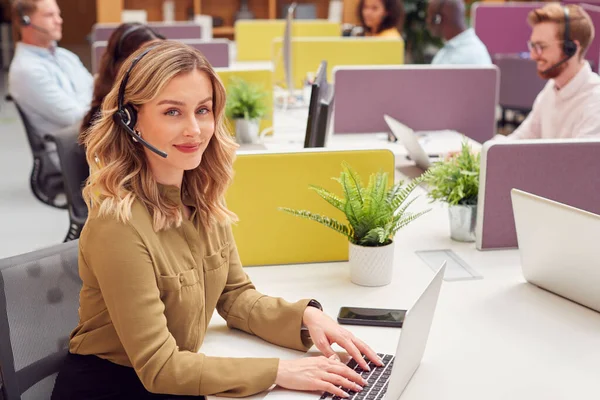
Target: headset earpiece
{"x":24,"y":19}
{"x":437,"y":19}
{"x":569,"y":46}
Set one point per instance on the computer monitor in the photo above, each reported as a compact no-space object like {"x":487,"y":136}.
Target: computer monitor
{"x":323,"y":118}
{"x":318,"y":88}
{"x":287,"y":50}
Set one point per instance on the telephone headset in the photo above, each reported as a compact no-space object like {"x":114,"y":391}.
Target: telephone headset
{"x":569,"y":46}
{"x":126,"y":114}
{"x":25,"y":20}
{"x":437,"y":18}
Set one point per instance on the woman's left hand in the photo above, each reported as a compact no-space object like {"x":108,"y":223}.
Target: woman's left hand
{"x":324,"y":331}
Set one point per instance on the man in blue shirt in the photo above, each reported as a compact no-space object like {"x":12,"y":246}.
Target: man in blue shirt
{"x":446,"y":19}
{"x":49,"y":83}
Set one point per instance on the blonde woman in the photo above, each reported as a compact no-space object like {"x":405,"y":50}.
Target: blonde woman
{"x":157,"y":255}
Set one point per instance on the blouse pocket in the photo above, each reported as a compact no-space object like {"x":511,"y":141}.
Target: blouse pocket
{"x":174,"y":283}
{"x":217,"y":259}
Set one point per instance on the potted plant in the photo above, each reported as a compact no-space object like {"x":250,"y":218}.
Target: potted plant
{"x":246,"y":107}
{"x":455,"y":181}
{"x":374,"y":215}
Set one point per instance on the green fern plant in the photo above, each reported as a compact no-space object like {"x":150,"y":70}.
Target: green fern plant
{"x":375,"y":213}
{"x":245,"y":100}
{"x":456,"y":179}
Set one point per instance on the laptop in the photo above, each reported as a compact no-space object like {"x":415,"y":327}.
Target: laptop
{"x":559,"y":247}
{"x":389,"y":381}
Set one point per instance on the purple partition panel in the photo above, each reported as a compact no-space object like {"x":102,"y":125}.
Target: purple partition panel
{"x":177,"y":30}
{"x":216,"y":52}
{"x":561,"y":170}
{"x":428,"y":98}
{"x":519,"y":81}
{"x":490,"y":18}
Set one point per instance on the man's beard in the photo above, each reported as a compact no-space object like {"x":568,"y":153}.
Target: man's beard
{"x":552,"y":73}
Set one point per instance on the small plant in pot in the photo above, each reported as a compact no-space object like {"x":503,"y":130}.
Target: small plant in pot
{"x":374,"y":214}
{"x":246,"y":106}
{"x":455,"y":181}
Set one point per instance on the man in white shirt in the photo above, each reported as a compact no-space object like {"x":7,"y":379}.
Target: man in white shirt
{"x":446,"y":19}
{"x":49,"y":83}
{"x":569,"y":104}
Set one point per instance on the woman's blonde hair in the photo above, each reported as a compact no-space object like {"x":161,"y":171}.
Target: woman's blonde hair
{"x":119,"y":172}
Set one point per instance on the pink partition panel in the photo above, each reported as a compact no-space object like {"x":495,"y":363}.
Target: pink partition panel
{"x":461,"y":98}
{"x":175,"y":30}
{"x":519,"y":81}
{"x":562,"y":170}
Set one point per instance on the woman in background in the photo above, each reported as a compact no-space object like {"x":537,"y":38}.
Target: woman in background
{"x":381,"y":18}
{"x":125,"y":40}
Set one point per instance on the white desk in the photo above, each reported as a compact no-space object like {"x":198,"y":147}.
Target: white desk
{"x":494,"y":338}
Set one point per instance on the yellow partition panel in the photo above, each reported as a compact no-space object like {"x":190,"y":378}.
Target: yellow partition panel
{"x":260,"y":77}
{"x":265,"y":181}
{"x":254,"y":38}
{"x":307,"y":53}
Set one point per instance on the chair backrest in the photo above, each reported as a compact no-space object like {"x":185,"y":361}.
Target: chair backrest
{"x":35,"y":141}
{"x":39,"y":301}
{"x":74,"y":168}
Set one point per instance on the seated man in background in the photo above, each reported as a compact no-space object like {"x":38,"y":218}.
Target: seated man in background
{"x":49,"y":83}
{"x":446,"y":20}
{"x":569,"y":104}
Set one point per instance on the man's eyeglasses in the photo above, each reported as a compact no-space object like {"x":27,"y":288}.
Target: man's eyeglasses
{"x":539,"y":48}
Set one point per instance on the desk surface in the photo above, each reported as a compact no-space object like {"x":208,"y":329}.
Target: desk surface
{"x":494,"y":338}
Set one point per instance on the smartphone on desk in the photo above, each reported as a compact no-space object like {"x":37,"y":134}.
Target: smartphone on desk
{"x":371,"y":316}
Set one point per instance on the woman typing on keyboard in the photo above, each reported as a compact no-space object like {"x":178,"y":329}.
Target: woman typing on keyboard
{"x":157,"y":256}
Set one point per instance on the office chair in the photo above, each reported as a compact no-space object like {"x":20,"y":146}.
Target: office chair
{"x":45,"y":180}
{"x":39,"y":301}
{"x":75,"y":171}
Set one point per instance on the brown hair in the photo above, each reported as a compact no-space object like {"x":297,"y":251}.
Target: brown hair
{"x":119,"y":172}
{"x":581,"y":27}
{"x":21,"y":8}
{"x":119,"y":47}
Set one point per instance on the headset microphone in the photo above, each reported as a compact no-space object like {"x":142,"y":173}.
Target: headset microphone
{"x":25,"y":20}
{"x":126,"y":114}
{"x":569,"y":46}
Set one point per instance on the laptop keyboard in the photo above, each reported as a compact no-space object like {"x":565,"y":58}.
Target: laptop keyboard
{"x":378,"y":379}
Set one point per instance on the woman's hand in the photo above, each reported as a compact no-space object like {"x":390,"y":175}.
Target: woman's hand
{"x":318,"y":373}
{"x":324,"y":331}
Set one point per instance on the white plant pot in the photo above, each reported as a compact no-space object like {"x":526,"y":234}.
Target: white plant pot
{"x":371,"y":266}
{"x":463,"y":220}
{"x":246,"y":131}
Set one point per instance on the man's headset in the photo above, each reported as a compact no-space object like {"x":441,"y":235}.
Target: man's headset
{"x":569,"y":46}
{"x":126,"y":114}
{"x":25,"y":20}
{"x":437,"y":18}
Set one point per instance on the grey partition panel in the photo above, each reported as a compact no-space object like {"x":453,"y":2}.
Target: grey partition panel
{"x":176,"y":30}
{"x":422,"y":97}
{"x":519,"y":81}
{"x":561,"y":170}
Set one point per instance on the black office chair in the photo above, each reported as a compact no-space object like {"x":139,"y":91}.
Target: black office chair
{"x":46,"y":180}
{"x":75,"y":171}
{"x":39,"y":302}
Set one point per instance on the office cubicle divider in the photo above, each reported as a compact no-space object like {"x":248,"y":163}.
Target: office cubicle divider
{"x":519,"y":81}
{"x":490,"y":18}
{"x":563,"y":170}
{"x":263,"y":78}
{"x":423,"y":97}
{"x":307,"y":54}
{"x":170,"y":30}
{"x":216,"y":51}
{"x":263,"y":182}
{"x":254,"y":38}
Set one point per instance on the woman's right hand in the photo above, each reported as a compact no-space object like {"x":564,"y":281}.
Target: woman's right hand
{"x":318,"y":373}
